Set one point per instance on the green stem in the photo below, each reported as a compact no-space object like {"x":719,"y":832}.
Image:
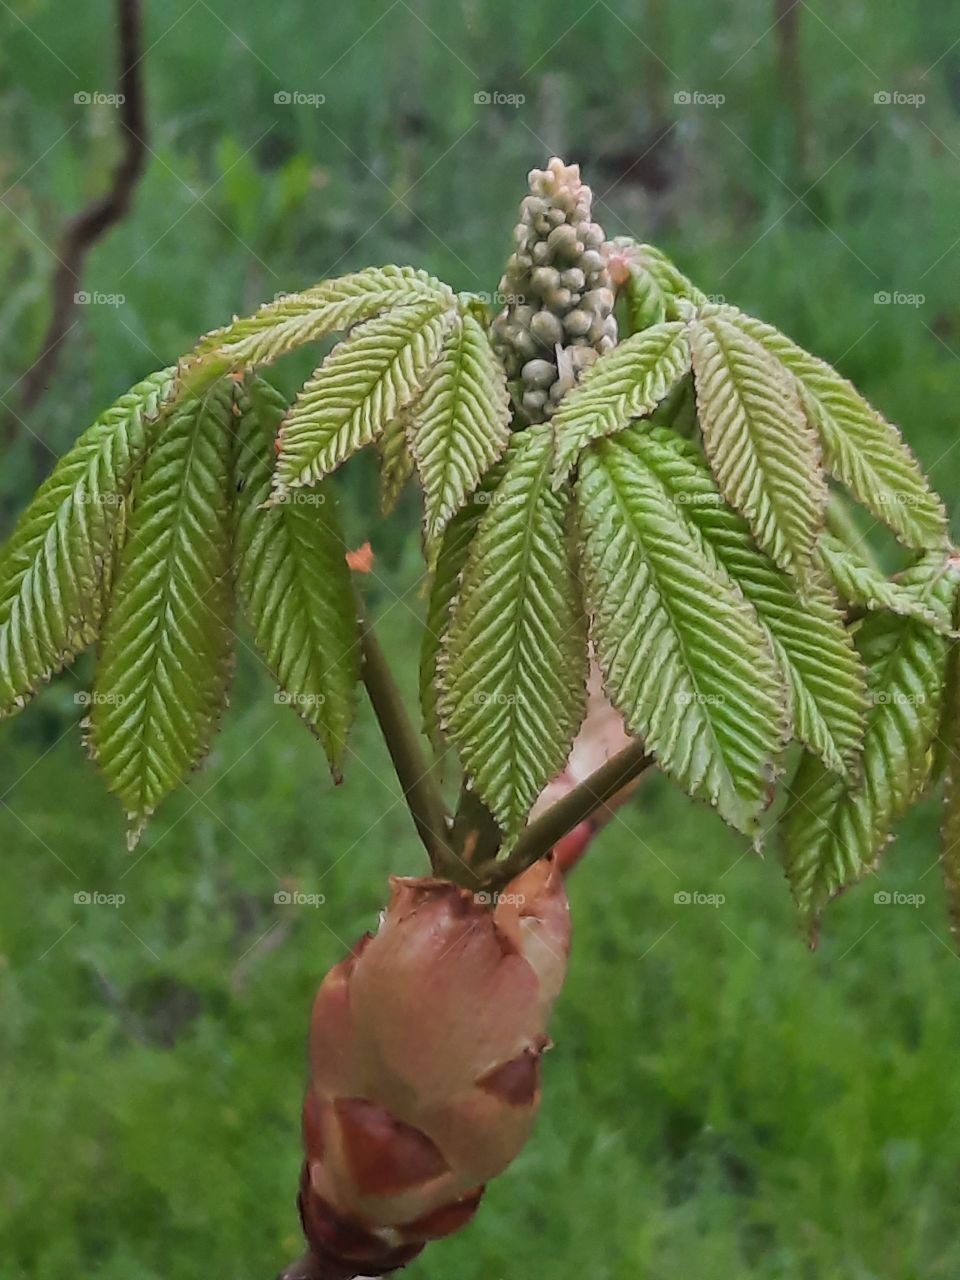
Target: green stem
{"x":476,"y":837}
{"x":403,"y":742}
{"x":542,"y":834}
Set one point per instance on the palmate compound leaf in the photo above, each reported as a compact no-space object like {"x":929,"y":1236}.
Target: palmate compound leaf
{"x":834,"y":830}
{"x":761,"y":447}
{"x":56,"y":568}
{"x":514,"y":662}
{"x":816,"y":655}
{"x":396,"y":462}
{"x":858,"y":583}
{"x":294,"y":319}
{"x":365,"y":382}
{"x":683,"y":655}
{"x":459,"y":426}
{"x":293,"y":581}
{"x":165,"y":658}
{"x":860,"y":448}
{"x":629,"y":382}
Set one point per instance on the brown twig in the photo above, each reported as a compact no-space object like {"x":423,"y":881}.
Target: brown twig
{"x":87,"y":227}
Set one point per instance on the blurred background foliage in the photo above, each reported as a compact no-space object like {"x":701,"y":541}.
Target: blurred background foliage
{"x":719,"y":1102}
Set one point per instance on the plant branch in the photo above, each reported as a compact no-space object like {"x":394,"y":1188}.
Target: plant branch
{"x":786,"y":24}
{"x":403,"y":742}
{"x":87,"y":227}
{"x":539,"y":837}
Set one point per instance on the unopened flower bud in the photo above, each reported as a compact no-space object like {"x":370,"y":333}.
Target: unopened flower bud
{"x":563,"y":243}
{"x":539,"y":373}
{"x":546,"y":328}
{"x":558,"y":300}
{"x":577,"y":322}
{"x":545,"y":280}
{"x":599,"y":301}
{"x":592,"y":260}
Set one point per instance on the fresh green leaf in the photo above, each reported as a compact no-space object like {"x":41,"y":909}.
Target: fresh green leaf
{"x":451,"y":559}
{"x":293,"y":582}
{"x":834,"y":831}
{"x":459,"y":426}
{"x":950,"y":846}
{"x":166,"y":651}
{"x":761,"y":448}
{"x":813,"y":648}
{"x":673,"y":284}
{"x":943,"y":743}
{"x":857,"y":582}
{"x":56,"y":568}
{"x":297,"y":318}
{"x":646,"y":302}
{"x":683,"y":655}
{"x":513,"y":669}
{"x":948,"y":749}
{"x":396,"y":461}
{"x":628,"y":382}
{"x":653,"y":288}
{"x":860,"y":448}
{"x":361,"y":386}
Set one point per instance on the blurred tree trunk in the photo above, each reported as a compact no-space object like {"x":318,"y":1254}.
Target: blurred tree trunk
{"x":791,"y":76}
{"x":657,"y":75}
{"x":81,"y":232}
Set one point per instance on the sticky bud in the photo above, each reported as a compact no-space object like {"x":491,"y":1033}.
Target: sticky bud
{"x":425,"y":1051}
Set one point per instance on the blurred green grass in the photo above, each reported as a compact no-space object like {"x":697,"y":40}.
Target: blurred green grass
{"x":719,"y":1102}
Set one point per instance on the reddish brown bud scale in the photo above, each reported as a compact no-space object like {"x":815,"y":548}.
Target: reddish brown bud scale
{"x":602,"y":735}
{"x":425,"y":1048}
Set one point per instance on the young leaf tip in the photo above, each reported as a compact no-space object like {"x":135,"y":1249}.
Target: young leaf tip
{"x":136,"y":825}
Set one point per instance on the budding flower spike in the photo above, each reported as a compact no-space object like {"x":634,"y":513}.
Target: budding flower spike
{"x":558,"y":318}
{"x":425,"y":1051}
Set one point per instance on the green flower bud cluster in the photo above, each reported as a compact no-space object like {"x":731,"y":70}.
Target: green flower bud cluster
{"x":559,"y":313}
